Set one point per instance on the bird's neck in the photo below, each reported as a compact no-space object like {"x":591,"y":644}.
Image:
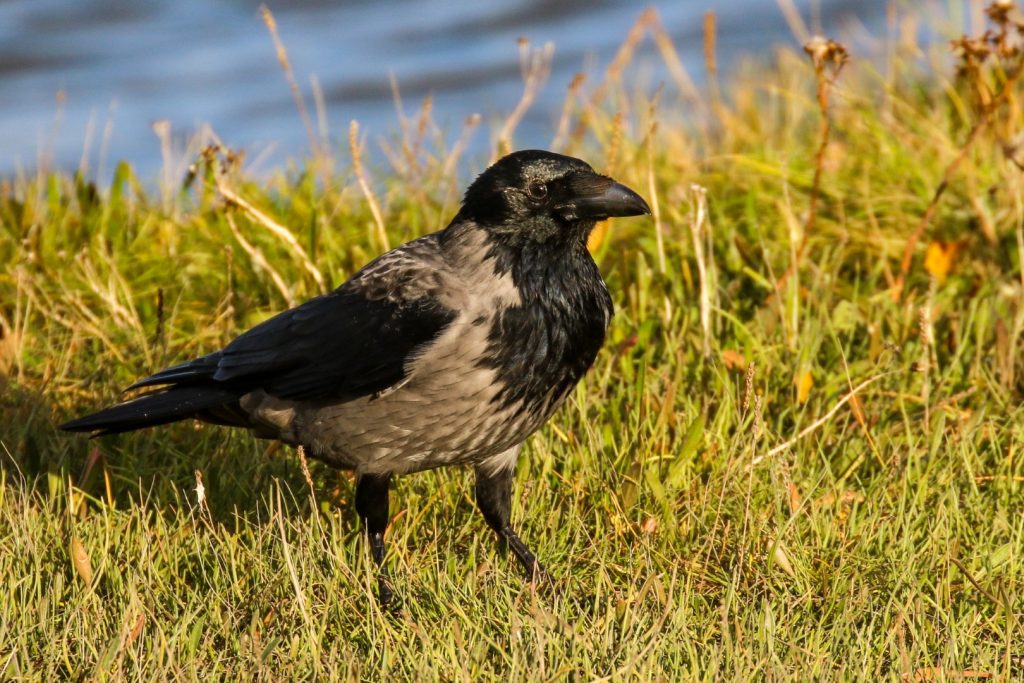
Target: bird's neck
{"x":541,"y":346}
{"x":553,"y":273}
{"x":543,"y":271}
{"x":536,"y":267}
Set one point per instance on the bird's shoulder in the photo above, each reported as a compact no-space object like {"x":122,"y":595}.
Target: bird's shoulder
{"x":414,"y":271}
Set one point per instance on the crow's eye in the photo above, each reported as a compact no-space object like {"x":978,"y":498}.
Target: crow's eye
{"x":537,"y":190}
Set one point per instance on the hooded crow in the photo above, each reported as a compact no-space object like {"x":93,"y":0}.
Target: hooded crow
{"x":450,"y":349}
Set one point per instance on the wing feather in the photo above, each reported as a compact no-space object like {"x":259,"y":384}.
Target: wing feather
{"x":353,"y":342}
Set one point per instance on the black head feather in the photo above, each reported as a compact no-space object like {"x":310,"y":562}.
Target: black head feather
{"x":534,"y":196}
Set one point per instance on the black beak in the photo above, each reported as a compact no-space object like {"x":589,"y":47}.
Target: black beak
{"x":596,"y":197}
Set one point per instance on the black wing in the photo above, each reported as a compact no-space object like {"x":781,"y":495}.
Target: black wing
{"x":352,"y":342}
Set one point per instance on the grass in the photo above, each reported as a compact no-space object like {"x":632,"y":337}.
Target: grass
{"x":830,"y":492}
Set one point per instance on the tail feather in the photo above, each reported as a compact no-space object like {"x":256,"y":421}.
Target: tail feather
{"x":192,"y":372}
{"x":155,"y":408}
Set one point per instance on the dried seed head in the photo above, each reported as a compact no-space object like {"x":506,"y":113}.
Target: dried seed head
{"x":748,"y":387}
{"x":825,"y":51}
{"x":974,"y":49}
{"x":999,"y":11}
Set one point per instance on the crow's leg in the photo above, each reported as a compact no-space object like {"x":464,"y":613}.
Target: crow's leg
{"x":494,"y":498}
{"x":372,"y":506}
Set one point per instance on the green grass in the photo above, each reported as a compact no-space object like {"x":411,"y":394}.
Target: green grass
{"x":698,"y":527}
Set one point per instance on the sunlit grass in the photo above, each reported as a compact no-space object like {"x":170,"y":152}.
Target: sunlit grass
{"x":746,"y":515}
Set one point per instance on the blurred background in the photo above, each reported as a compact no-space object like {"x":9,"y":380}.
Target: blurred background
{"x":82,"y":83}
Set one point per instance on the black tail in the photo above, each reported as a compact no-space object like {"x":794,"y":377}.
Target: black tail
{"x":155,"y":408}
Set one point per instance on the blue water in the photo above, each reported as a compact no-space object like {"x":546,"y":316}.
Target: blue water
{"x":85,"y":80}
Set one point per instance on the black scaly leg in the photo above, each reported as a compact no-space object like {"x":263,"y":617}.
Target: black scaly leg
{"x":494,"y":498}
{"x":372,"y":506}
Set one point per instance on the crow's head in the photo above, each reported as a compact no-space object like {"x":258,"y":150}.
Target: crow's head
{"x":537,"y":196}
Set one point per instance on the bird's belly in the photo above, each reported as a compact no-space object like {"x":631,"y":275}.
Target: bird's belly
{"x":407,"y":432}
{"x":444,"y":413}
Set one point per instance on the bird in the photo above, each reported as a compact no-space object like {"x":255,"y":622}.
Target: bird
{"x":450,"y":349}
